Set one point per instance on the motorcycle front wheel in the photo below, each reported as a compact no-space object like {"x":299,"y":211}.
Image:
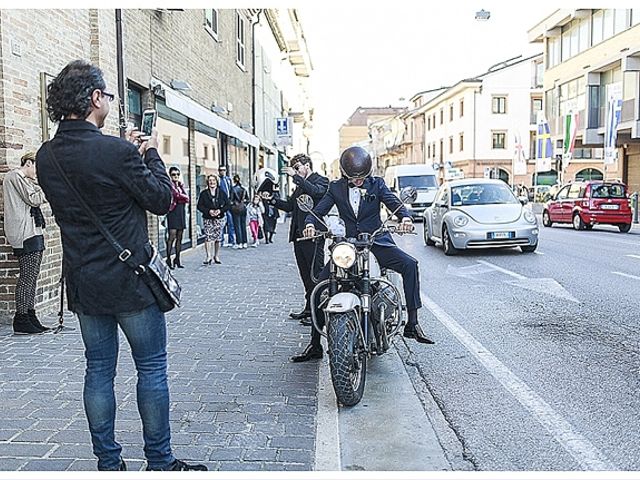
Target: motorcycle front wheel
{"x":347,"y":358}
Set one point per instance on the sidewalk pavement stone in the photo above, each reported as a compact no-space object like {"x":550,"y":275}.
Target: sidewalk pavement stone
{"x":237,"y":403}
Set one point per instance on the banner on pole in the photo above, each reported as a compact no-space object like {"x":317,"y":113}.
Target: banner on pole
{"x":569,"y":141}
{"x":544,"y":147}
{"x":519,"y":158}
{"x":612,"y":120}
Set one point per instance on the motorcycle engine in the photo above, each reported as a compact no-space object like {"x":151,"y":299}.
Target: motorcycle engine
{"x":387,"y":297}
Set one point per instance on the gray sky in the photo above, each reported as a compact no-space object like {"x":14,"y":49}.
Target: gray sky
{"x":371,"y":56}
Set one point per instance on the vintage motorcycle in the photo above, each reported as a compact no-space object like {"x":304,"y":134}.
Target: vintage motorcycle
{"x":364,"y":305}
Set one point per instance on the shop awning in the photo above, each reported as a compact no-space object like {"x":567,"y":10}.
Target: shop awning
{"x":183,"y":104}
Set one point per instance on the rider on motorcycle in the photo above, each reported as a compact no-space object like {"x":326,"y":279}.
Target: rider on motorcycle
{"x":358,"y":195}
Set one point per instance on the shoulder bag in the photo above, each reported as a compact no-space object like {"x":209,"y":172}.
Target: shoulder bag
{"x":155,"y":273}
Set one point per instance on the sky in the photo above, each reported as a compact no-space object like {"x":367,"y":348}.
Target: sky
{"x":372,"y":56}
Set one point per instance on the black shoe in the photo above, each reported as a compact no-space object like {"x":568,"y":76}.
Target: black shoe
{"x":207,"y":262}
{"x":417,"y":334}
{"x":171,"y":266}
{"x":306,"y":321}
{"x":300,"y":315}
{"x":177,"y":264}
{"x":34,"y":320}
{"x":22,"y":325}
{"x":310,"y":353}
{"x":180,"y":466}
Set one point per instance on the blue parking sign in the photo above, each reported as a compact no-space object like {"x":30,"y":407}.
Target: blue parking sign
{"x":282,"y":126}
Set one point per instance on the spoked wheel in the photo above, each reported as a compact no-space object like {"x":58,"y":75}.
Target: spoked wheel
{"x":347,"y":358}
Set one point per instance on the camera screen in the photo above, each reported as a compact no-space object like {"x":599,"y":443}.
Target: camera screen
{"x":147,"y":123}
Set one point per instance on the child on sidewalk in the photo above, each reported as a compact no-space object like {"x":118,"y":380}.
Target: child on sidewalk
{"x":254,"y":212}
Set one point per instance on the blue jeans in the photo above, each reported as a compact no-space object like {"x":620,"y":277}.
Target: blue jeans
{"x":230,"y":228}
{"x":146,"y":332}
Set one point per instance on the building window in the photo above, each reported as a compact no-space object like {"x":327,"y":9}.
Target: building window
{"x":429,"y":151}
{"x":450,"y":144}
{"x":553,"y":52}
{"x":499,"y":105}
{"x":462,"y":107}
{"x":206,"y":152}
{"x":166,"y":145}
{"x":461,"y":139}
{"x":433,"y":150}
{"x":135,"y":105}
{"x":429,"y":123}
{"x":536,"y":106}
{"x":211,"y":22}
{"x":240,"y":41}
{"x":451,"y":112}
{"x":185,"y":148}
{"x":441,"y":150}
{"x":538,"y":72}
{"x":499,"y":140}
{"x":441,"y":116}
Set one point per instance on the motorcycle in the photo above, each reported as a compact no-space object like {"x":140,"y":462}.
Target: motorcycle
{"x":364,"y":305}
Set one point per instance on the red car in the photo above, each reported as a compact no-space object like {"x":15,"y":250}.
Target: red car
{"x":584,"y":204}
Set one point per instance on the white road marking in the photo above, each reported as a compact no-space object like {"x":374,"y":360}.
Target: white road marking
{"x":538,"y":253}
{"x":327,"y":430}
{"x":626,"y":275}
{"x":503,"y":270}
{"x":633,"y":256}
{"x":583,"y":451}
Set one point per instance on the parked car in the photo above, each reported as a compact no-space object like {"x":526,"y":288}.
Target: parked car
{"x":479,"y":213}
{"x":585,"y":204}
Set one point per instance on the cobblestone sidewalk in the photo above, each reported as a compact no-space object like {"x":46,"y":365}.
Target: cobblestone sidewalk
{"x":236,"y":401}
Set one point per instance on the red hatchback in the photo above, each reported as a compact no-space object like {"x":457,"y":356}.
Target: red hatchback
{"x":584,"y":204}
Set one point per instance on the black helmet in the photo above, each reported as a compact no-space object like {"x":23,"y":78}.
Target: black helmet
{"x":355,"y":162}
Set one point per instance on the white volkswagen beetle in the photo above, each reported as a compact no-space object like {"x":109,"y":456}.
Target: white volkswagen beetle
{"x":479,"y":213}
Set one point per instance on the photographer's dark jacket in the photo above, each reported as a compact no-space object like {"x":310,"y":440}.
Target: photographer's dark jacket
{"x":120,"y":187}
{"x":368,"y":218}
{"x":207,"y":202}
{"x":315,"y":186}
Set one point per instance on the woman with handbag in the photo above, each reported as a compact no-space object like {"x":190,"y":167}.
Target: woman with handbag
{"x":213,"y":203}
{"x":239,"y":198}
{"x":176,"y":222}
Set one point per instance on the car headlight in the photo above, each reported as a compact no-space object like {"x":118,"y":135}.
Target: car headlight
{"x":529,"y":217}
{"x":460,"y":220}
{"x":344,"y":255}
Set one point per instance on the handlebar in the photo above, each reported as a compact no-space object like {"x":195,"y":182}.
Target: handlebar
{"x":389,"y":228}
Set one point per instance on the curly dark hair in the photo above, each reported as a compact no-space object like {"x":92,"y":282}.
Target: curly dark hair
{"x":70,"y":92}
{"x":302,"y":158}
{"x":174,"y":169}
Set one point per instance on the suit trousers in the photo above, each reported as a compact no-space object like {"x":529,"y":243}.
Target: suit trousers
{"x":394,"y":259}
{"x":309,"y":258}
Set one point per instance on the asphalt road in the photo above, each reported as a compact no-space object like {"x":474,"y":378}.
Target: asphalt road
{"x":537,"y":363}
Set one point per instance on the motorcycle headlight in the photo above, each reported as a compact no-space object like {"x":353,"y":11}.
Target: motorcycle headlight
{"x":344,"y":255}
{"x":529,"y":217}
{"x":460,"y":220}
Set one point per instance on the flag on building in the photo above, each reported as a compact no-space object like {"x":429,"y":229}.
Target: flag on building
{"x":570,"y":133}
{"x":544,"y":146}
{"x":612,"y":120}
{"x":519,"y":158}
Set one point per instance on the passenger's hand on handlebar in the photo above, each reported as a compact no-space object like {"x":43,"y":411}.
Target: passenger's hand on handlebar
{"x":406,"y":226}
{"x":309,"y":231}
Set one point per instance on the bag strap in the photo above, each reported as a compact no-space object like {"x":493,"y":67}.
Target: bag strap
{"x":124,"y":254}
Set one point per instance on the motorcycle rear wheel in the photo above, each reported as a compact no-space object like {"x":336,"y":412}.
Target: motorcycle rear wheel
{"x":347,"y":358}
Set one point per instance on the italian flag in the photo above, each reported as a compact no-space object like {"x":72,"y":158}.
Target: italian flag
{"x":570,"y":132}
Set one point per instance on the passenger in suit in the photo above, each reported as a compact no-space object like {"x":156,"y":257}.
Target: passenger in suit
{"x":357,"y":196}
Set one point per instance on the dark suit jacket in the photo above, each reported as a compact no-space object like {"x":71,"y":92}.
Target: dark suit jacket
{"x":315,"y":186}
{"x":207,"y":202}
{"x":120,"y":187}
{"x":368,"y":218}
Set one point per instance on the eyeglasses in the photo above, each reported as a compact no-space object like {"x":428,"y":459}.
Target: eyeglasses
{"x":110,"y":96}
{"x":175,"y":174}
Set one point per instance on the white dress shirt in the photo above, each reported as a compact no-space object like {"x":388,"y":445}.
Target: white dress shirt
{"x":354,"y":199}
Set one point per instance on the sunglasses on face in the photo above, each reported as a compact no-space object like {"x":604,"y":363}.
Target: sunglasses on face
{"x":110,"y":96}
{"x":175,"y":174}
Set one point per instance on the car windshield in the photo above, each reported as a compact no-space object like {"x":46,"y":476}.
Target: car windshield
{"x":608,"y":191}
{"x":420,"y":182}
{"x":482,"y":194}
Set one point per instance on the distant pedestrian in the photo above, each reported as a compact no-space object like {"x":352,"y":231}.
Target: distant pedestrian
{"x":254,"y":213}
{"x":226,"y":185}
{"x":106,"y":293}
{"x":23,"y":226}
{"x":213,"y":204}
{"x":239,"y":198}
{"x":176,"y":222}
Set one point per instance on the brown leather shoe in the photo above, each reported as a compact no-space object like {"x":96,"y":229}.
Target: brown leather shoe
{"x":418,"y":335}
{"x":310,"y":353}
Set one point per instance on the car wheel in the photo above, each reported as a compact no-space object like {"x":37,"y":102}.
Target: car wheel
{"x":578,"y":224}
{"x":427,"y":240}
{"x":624,"y":227}
{"x":447,"y":245}
{"x":546,"y":220}
{"x":529,"y":248}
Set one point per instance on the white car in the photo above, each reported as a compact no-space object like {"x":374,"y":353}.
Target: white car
{"x":479,"y":213}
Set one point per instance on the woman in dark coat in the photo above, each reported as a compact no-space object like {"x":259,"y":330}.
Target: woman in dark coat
{"x":176,"y":222}
{"x":213,"y":203}
{"x":270,"y":218}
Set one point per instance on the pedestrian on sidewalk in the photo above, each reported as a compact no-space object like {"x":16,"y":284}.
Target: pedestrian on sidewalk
{"x":120,"y":186}
{"x":270,"y":218}
{"x":23,"y":225}
{"x":239,"y":199}
{"x":255,"y":210}
{"x":226,"y":185}
{"x":309,"y":254}
{"x":213,"y":203}
{"x":176,"y":222}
